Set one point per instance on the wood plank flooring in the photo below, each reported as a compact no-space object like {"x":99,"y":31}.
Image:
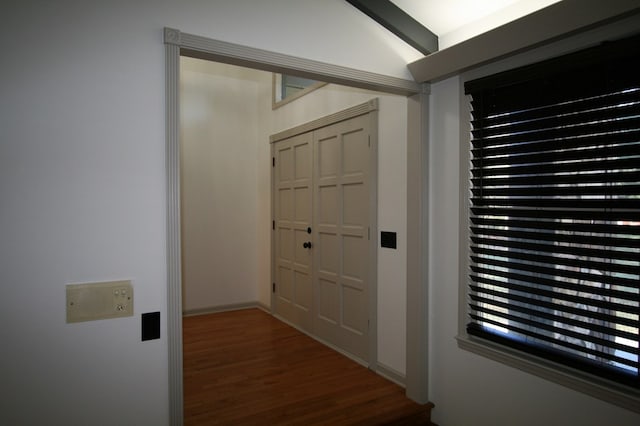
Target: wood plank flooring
{"x":248,"y":368}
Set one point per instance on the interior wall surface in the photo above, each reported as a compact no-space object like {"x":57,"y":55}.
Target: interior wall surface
{"x":83,"y":181}
{"x":221,"y":106}
{"x":491,"y":393}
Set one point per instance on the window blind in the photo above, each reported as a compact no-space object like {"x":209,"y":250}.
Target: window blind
{"x":555,"y":210}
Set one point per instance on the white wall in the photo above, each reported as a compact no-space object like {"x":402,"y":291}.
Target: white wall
{"x":468,"y":389}
{"x":221,"y":106}
{"x":82,"y":179}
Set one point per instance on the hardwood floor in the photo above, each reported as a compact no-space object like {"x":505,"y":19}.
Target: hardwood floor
{"x":248,"y":368}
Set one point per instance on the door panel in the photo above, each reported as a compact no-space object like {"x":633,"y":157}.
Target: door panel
{"x":328,"y":311}
{"x":293,"y":208}
{"x":342,"y":220}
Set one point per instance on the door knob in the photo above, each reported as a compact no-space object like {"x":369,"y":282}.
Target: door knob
{"x":307,"y":245}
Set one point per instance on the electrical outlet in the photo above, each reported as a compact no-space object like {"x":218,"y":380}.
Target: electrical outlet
{"x":94,"y":301}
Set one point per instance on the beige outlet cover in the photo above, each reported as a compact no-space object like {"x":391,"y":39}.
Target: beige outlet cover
{"x":101,"y":300}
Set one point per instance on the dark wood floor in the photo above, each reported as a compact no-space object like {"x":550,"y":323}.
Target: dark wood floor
{"x":247,"y":368}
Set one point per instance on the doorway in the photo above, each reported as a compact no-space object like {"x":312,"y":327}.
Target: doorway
{"x":225,"y":202}
{"x":177,"y":44}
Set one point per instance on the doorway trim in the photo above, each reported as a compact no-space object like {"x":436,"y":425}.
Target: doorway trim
{"x":179,"y":44}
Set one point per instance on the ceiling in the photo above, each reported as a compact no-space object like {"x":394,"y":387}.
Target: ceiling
{"x":454,"y":21}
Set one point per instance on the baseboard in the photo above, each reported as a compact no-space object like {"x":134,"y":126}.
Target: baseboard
{"x":224,"y":308}
{"x":263,"y":307}
{"x":391,"y":374}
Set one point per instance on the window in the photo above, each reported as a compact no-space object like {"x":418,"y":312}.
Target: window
{"x":292,"y":85}
{"x":554,"y":220}
{"x":287,"y":88}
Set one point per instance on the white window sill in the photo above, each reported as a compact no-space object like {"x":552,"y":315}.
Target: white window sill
{"x":591,"y":385}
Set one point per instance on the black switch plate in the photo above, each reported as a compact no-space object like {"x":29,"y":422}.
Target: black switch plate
{"x":150,"y":326}
{"x":388,"y":239}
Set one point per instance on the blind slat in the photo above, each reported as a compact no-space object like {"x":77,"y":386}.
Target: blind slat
{"x":579,"y":348}
{"x":596,"y":165}
{"x":557,"y":317}
{"x":555,"y":289}
{"x":558,"y":226}
{"x":560,"y":154}
{"x":500,"y":147}
{"x":595,"y":216}
{"x":586,"y":252}
{"x":557,"y":306}
{"x":556,"y":191}
{"x":577,"y":110}
{"x":557,"y":331}
{"x":578,"y":131}
{"x":605,"y":277}
{"x":572,"y":261}
{"x":594,"y":178}
{"x":581,"y":203}
{"x":598,"y":240}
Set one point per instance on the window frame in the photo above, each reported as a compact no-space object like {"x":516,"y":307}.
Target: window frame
{"x":606,"y":390}
{"x":276,"y":87}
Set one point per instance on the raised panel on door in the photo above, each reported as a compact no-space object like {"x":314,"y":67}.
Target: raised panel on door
{"x":341,"y":207}
{"x":293,"y":192}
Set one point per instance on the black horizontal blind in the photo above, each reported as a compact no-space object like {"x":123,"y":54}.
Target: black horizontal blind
{"x":555,"y":210}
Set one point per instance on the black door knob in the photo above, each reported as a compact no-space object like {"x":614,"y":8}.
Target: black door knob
{"x":307,"y":245}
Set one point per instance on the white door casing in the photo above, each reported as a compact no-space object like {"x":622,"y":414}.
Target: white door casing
{"x":178,"y":43}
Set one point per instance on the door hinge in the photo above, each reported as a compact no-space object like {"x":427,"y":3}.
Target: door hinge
{"x":273,"y":161}
{"x":368,"y":233}
{"x":273,"y":225}
{"x":273,"y":287}
{"x":369,"y":140}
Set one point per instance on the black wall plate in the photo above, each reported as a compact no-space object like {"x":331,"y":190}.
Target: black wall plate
{"x":388,"y":239}
{"x":150,"y":326}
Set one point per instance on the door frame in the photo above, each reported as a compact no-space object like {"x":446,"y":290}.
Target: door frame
{"x":179,"y":44}
{"x":369,"y":108}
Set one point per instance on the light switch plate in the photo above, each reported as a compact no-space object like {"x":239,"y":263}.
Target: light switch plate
{"x":94,"y":301}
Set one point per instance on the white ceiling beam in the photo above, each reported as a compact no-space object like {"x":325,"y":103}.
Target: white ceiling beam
{"x":544,"y":26}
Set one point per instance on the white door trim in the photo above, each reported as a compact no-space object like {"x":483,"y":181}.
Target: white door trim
{"x":177,"y":44}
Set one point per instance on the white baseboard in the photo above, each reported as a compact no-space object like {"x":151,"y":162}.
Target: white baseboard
{"x":223,"y":308}
{"x":263,"y":307}
{"x":390,"y":374}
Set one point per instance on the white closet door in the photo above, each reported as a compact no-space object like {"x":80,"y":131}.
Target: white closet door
{"x":341,"y":235}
